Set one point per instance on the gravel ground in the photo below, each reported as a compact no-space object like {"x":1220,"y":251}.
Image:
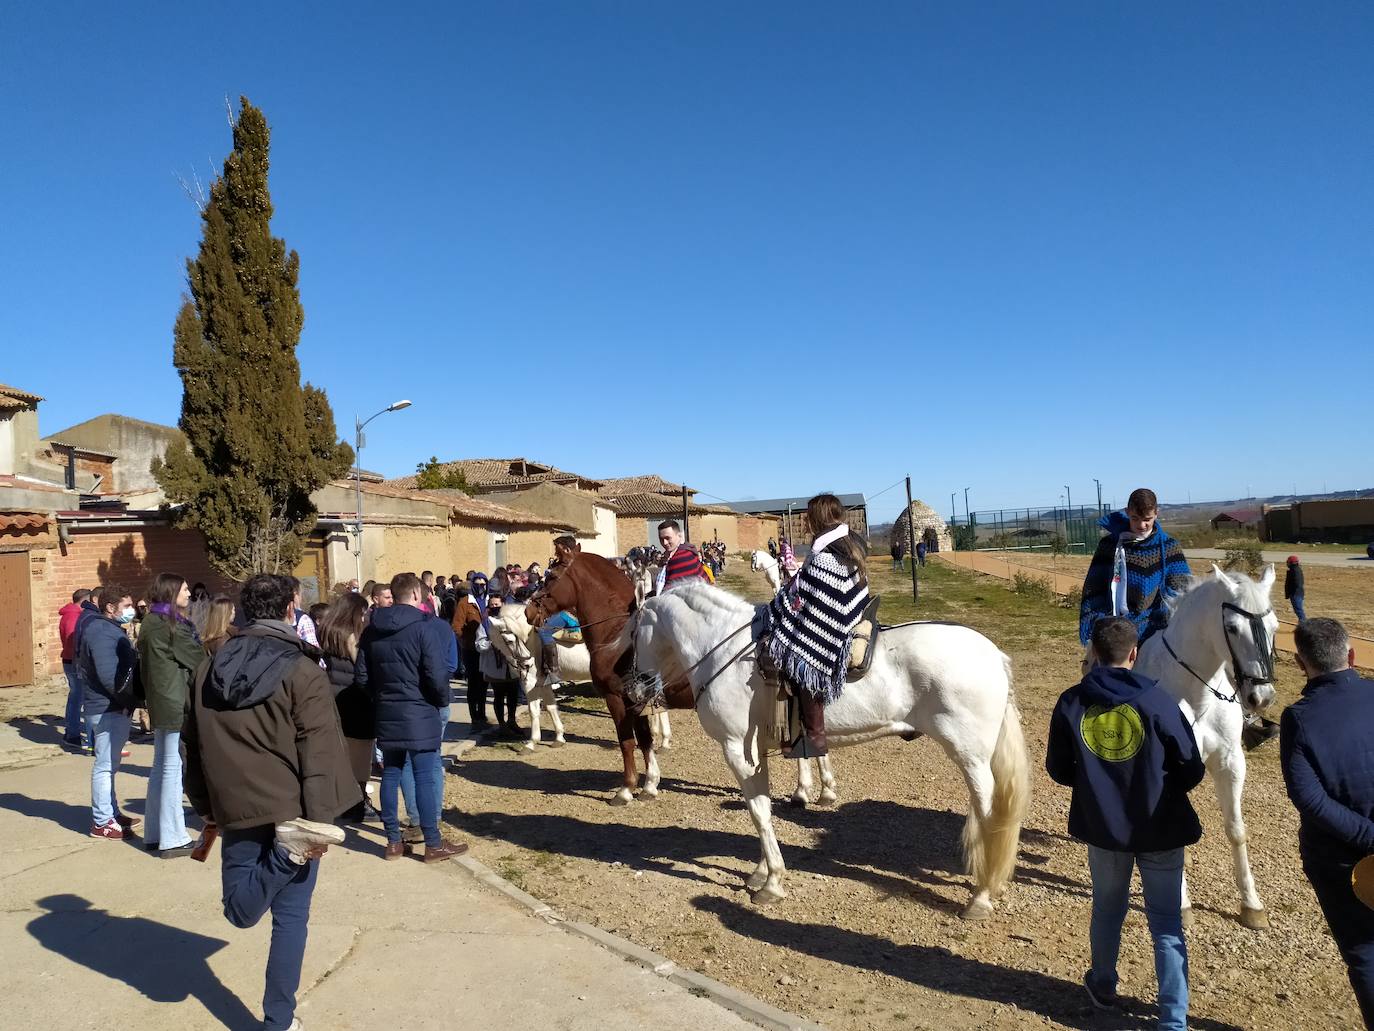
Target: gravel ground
{"x":870,"y":935}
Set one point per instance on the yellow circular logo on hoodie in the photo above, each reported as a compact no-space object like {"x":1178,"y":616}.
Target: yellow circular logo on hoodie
{"x":1114,"y":734}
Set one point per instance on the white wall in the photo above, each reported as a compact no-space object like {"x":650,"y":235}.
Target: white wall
{"x":605,"y":543}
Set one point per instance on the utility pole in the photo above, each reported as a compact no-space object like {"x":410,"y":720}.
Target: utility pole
{"x":911,"y":544}
{"x":1099,"y":494}
{"x":953,"y":514}
{"x":686,"y":533}
{"x":966,"y":515}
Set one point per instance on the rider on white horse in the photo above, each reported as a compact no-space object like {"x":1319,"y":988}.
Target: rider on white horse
{"x":811,"y":622}
{"x":1136,"y":569}
{"x":680,"y":564}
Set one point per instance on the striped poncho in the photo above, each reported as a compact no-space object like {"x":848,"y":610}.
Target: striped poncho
{"x":810,"y":632}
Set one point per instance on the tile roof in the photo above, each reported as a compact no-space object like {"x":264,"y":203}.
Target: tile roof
{"x":500,"y":472}
{"x":15,"y":522}
{"x":464,"y":505}
{"x":649,"y":504}
{"x":13,"y":397}
{"x":650,"y":484}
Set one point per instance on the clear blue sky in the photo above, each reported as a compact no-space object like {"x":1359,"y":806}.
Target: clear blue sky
{"x":766,"y":249}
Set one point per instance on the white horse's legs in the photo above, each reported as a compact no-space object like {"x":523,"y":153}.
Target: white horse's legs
{"x":558,"y":738}
{"x":663,"y":730}
{"x":1228,"y":774}
{"x":652,"y":775}
{"x":766,"y":880}
{"x":802,"y":796}
{"x":534,"y":725}
{"x":1187,"y":902}
{"x":828,"y":794}
{"x":978,"y":777}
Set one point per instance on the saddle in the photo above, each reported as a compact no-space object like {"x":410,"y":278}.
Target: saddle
{"x":865,"y":641}
{"x":568,"y":637}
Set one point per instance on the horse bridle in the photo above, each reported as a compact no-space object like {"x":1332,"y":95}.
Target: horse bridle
{"x":1258,"y":632}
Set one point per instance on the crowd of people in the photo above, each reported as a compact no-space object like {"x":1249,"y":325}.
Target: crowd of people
{"x":273,"y":721}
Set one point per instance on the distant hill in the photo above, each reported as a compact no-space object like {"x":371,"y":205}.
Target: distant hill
{"x":1201,"y":511}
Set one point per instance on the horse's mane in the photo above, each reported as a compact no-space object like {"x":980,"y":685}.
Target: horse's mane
{"x":707,"y":600}
{"x":1252,"y":594}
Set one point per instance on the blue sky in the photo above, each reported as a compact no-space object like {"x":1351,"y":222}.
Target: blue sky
{"x":763,"y":248}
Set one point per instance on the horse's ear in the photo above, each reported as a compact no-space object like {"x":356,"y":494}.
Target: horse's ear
{"x":1220,"y":574}
{"x":1267,"y":580}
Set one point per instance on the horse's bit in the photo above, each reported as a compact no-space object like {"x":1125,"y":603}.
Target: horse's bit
{"x":1265,"y":662}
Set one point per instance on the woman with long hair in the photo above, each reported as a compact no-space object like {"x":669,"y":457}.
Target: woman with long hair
{"x":811,"y":621}
{"x":219,"y":623}
{"x":169,"y":652}
{"x":339,"y":630}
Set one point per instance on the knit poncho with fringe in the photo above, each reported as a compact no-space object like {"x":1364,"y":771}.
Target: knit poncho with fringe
{"x":811,"y":625}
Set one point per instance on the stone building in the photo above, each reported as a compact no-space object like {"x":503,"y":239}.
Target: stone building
{"x":929,"y":528}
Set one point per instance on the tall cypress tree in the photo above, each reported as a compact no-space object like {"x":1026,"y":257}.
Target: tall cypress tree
{"x":258,"y":443}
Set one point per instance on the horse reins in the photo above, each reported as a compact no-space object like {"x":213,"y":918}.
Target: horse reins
{"x":1231,"y":698}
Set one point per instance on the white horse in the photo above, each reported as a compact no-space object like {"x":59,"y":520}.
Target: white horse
{"x":940,"y":679}
{"x":1216,"y":658}
{"x":518,"y":641}
{"x":762,"y":562}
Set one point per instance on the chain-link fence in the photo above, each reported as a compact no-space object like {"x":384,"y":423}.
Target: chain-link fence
{"x":1060,"y":529}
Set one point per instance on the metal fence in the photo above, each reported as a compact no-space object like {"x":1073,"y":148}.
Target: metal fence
{"x":1057,"y":529}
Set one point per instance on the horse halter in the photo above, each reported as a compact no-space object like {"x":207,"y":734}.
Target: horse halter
{"x":1259,"y":670}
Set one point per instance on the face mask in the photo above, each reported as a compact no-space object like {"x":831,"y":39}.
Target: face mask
{"x":127,"y":615}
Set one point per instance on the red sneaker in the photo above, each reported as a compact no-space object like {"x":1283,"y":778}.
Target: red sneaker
{"x":110,"y":830}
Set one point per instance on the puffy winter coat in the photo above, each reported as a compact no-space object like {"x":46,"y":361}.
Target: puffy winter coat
{"x":403,"y":663}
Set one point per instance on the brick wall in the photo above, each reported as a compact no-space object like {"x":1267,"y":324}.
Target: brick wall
{"x":130,"y":557}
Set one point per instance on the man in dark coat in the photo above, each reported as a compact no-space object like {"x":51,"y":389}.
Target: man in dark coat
{"x":1293,"y":587}
{"x":404,"y":660}
{"x":1124,"y":747}
{"x":106,"y":662}
{"x":1328,"y":767}
{"x":266,"y":764}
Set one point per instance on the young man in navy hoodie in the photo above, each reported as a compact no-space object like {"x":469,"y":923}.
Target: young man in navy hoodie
{"x":1124,"y":747}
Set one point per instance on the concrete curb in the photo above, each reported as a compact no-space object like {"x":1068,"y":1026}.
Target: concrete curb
{"x":17,"y":758}
{"x":754,"y":1010}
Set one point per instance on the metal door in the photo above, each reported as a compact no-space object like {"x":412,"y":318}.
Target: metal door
{"x":16,"y":620}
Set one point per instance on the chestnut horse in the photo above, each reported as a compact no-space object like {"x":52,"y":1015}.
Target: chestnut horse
{"x":602,"y":598}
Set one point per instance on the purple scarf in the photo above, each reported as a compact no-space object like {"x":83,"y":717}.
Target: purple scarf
{"x":169,"y":611}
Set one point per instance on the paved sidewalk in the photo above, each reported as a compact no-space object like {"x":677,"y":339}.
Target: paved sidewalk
{"x":98,"y":934}
{"x":1280,"y":558}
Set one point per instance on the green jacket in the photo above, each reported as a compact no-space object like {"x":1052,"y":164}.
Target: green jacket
{"x":168,"y":654}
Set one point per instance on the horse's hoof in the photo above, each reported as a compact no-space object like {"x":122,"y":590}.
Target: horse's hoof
{"x":647,"y":794}
{"x":664,"y":746}
{"x":622,"y":797}
{"x":529,"y":746}
{"x":978,"y":909}
{"x":1187,"y":915}
{"x":800,"y":800}
{"x":829,"y":797}
{"x":558,"y":742}
{"x":1255,"y":919}
{"x":757,"y":880}
{"x":768,"y":894}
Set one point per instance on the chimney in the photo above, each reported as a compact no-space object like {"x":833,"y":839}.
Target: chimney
{"x":71,"y":468}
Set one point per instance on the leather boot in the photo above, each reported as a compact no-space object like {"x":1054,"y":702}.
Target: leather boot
{"x":553,"y":674}
{"x":811,"y":743}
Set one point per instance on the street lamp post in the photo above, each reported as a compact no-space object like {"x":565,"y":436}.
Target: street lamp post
{"x":1099,"y":494}
{"x":358,"y":441}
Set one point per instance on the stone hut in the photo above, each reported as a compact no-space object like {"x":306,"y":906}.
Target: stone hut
{"x":929,"y":528}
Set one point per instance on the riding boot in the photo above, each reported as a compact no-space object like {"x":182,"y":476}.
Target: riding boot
{"x":553,"y":674}
{"x":810,"y":744}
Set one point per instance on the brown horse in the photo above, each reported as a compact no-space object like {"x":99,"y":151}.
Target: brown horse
{"x":602,"y":598}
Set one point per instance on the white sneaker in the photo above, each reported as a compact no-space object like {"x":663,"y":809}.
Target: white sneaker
{"x":296,"y":1025}
{"x":297,"y":837}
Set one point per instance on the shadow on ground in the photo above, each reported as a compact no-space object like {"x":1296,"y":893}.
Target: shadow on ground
{"x":164,"y":963}
{"x":932,"y":967}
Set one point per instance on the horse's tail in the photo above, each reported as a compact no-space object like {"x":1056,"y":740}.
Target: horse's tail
{"x":990,"y":845}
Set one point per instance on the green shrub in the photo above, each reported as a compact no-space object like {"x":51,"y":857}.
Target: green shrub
{"x":1031,"y":586}
{"x":1073,"y":600}
{"x":1243,"y":554}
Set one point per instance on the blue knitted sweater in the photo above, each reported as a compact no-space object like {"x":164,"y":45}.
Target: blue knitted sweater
{"x":1156,"y":570}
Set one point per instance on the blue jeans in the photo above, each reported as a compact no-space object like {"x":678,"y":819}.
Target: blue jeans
{"x":426,"y":781}
{"x":72,"y":723}
{"x":109,"y":732}
{"x":408,"y":777}
{"x":558,"y":621}
{"x":1161,"y":881}
{"x":257,"y":876}
{"x":1297,"y":608}
{"x":164,"y":820}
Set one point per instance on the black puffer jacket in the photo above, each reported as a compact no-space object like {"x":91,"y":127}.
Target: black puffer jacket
{"x":353,"y":701}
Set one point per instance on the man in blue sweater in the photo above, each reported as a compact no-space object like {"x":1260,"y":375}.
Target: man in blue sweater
{"x":405,"y":658}
{"x":1124,"y":747}
{"x":1328,"y":766}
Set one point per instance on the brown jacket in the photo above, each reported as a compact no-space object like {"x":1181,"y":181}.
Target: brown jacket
{"x":262,"y":736}
{"x":467,"y":617}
